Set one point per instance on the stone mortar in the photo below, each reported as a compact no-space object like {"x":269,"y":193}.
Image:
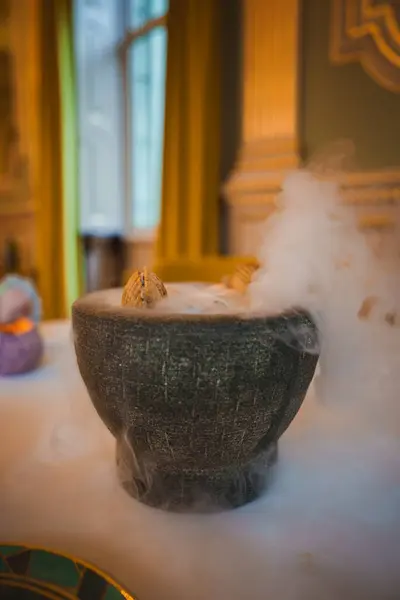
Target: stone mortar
{"x":196,"y":403}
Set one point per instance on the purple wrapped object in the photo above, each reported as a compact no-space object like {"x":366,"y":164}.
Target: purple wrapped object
{"x":20,"y":353}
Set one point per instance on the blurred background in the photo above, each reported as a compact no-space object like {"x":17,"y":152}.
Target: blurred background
{"x":156,"y":132}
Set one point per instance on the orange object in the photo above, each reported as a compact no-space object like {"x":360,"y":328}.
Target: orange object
{"x":18,"y":327}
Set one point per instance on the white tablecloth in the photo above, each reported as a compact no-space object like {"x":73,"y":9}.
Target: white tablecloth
{"x":328,"y":528}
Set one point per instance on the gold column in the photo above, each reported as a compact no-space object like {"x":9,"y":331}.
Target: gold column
{"x":270,"y":105}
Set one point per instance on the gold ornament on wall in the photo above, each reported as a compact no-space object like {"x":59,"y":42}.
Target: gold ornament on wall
{"x":368,"y":31}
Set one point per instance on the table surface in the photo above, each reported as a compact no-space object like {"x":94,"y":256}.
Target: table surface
{"x":327,"y":529}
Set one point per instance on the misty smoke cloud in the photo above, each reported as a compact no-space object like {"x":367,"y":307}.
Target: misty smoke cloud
{"x":329,"y":525}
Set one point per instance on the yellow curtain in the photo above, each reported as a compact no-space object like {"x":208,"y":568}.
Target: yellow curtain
{"x":57,"y":181}
{"x":189,"y":230}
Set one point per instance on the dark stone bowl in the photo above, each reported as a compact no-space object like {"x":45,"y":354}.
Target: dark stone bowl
{"x":196,"y":403}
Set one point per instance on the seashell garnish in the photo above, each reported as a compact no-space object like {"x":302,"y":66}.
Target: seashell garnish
{"x":143,"y":290}
{"x":242,"y":277}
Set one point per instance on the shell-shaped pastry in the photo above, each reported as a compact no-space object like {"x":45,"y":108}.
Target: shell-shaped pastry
{"x":242,"y":277}
{"x":143,"y":290}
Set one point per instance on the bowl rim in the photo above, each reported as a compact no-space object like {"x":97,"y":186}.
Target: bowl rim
{"x":97,"y":309}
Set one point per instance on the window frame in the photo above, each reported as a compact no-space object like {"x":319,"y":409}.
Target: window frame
{"x":130,"y":35}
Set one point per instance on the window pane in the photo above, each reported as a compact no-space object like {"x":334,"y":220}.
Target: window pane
{"x":142,"y":11}
{"x":147,"y":71}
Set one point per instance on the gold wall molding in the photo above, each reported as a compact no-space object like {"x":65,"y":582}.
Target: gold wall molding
{"x":359,"y":187}
{"x":374,"y":188}
{"x":371,"y":188}
{"x":368,"y":31}
{"x":373,"y":195}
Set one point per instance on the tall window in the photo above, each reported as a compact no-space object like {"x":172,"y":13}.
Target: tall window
{"x":121,"y":48}
{"x":145,"y":46}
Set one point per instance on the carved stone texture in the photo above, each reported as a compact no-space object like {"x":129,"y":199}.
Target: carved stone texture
{"x":368,"y":31}
{"x":196,"y":403}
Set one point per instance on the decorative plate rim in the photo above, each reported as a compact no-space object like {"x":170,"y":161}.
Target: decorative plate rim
{"x":87,"y":564}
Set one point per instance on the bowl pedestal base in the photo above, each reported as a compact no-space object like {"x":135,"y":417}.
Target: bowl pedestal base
{"x":194,"y":490}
